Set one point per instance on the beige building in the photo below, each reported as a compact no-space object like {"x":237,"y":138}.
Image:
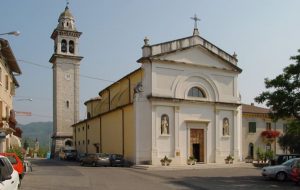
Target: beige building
{"x":8,"y":69}
{"x":255,"y":121}
{"x":109,"y":126}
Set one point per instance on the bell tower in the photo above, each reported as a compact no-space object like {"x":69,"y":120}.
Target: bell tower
{"x":65,"y":65}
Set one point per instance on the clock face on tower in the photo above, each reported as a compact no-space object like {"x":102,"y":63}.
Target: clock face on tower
{"x":67,"y":76}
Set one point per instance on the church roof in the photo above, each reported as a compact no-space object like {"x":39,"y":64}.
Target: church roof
{"x":156,"y":50}
{"x":92,"y":100}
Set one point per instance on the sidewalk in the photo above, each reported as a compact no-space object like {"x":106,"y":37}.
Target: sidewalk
{"x":194,"y":167}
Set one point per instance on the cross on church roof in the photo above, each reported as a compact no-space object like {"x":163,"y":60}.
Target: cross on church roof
{"x":196,"y":19}
{"x":67,"y":3}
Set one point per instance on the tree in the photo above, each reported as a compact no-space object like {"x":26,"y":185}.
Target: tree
{"x":283,"y":99}
{"x":25,"y":145}
{"x":291,"y":139}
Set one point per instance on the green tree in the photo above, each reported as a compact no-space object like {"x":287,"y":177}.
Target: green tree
{"x":283,"y":98}
{"x":291,"y":139}
{"x":25,"y":145}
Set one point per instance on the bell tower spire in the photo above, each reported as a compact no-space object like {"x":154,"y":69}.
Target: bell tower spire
{"x":65,"y":65}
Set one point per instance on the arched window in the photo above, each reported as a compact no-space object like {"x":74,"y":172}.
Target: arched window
{"x":71,"y":46}
{"x":88,"y":115}
{"x":67,"y":104}
{"x":68,"y":143}
{"x":196,"y":92}
{"x":64,"y":46}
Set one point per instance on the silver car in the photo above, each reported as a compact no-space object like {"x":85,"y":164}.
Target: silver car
{"x":279,"y":172}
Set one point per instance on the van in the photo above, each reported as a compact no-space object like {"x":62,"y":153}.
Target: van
{"x":280,"y":158}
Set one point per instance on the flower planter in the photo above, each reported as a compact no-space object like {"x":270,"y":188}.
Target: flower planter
{"x":165,"y":161}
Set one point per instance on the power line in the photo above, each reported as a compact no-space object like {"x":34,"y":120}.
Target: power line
{"x":84,"y":76}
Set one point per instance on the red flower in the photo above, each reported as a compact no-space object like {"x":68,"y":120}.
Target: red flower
{"x":270,"y":134}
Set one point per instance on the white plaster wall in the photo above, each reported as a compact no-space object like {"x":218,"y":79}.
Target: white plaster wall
{"x":169,"y":78}
{"x":165,"y":143}
{"x":226,"y":142}
{"x":255,"y":138}
{"x":143,"y":114}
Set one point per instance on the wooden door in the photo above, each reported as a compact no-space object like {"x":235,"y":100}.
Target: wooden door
{"x":197,"y":144}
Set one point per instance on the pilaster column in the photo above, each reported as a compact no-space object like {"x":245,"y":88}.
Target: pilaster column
{"x":176,"y":137}
{"x":217,"y":136}
{"x":236,"y":136}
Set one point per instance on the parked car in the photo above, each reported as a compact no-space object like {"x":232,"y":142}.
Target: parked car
{"x":279,"y":172}
{"x":280,"y":158}
{"x":98,"y":159}
{"x":9,"y":177}
{"x":16,"y":163}
{"x":68,"y":153}
{"x":295,"y":173}
{"x":80,"y":156}
{"x":116,"y":160}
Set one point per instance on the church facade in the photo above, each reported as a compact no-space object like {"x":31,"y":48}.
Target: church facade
{"x":183,"y":101}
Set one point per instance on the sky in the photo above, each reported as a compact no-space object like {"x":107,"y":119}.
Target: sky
{"x":263,"y":33}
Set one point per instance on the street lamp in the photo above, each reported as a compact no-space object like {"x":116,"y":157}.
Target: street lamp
{"x":15,"y":33}
{"x":24,"y":99}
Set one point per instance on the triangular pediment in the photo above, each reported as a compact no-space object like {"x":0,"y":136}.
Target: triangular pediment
{"x":198,"y":55}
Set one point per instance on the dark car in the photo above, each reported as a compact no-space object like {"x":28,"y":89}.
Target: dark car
{"x":116,"y":160}
{"x":98,"y":159}
{"x":280,"y":158}
{"x":80,"y":156}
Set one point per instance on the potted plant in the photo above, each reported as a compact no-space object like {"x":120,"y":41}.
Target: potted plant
{"x":229,"y":159}
{"x":249,"y":159}
{"x":191,"y":160}
{"x":165,"y":161}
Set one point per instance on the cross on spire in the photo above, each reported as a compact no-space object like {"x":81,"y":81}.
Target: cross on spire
{"x":67,"y":1}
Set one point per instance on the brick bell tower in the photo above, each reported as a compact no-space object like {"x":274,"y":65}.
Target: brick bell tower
{"x":65,"y":65}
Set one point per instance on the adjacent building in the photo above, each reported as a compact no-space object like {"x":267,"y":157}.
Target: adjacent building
{"x":9,"y":134}
{"x":256,"y":123}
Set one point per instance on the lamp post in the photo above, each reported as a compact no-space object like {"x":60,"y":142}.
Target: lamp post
{"x":15,"y":33}
{"x":24,"y":99}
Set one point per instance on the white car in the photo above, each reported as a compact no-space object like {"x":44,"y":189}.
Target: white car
{"x":279,"y":172}
{"x":9,"y":178}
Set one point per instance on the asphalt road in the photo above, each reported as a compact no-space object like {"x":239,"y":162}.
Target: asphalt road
{"x":57,"y":175}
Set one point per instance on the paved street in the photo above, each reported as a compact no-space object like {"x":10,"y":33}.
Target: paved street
{"x":51,"y":174}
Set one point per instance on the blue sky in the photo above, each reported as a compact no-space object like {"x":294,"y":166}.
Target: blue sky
{"x":263,"y":33}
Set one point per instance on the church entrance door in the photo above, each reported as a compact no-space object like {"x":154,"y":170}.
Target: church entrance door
{"x":197,"y":144}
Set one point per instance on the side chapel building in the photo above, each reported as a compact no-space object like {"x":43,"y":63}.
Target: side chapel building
{"x":183,"y":101}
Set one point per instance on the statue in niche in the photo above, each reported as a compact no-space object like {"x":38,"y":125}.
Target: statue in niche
{"x":225,"y":126}
{"x":164,"y":124}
